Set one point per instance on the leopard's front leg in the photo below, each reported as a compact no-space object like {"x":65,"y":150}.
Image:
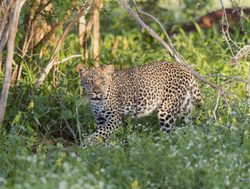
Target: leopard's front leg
{"x":102,"y":134}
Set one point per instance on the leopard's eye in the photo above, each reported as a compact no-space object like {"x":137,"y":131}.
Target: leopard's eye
{"x":89,"y":81}
{"x":103,"y":82}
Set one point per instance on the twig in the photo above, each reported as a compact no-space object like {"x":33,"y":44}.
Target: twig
{"x":168,"y":48}
{"x":238,"y":10}
{"x":167,"y":36}
{"x":225,"y":31}
{"x":71,"y":130}
{"x":216,"y":105}
{"x":9,"y":58}
{"x":4,"y":39}
{"x":79,"y":124}
{"x":83,"y":11}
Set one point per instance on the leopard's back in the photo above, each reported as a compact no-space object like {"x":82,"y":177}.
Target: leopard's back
{"x":142,"y":89}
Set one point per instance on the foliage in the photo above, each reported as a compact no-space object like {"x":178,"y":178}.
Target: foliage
{"x":37,"y":148}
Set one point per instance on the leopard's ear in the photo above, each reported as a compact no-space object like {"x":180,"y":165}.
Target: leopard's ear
{"x":82,"y":69}
{"x":109,"y":69}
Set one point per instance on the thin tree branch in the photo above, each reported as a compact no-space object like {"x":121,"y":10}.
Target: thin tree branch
{"x":5,"y":12}
{"x":31,"y":27}
{"x":225,"y":31}
{"x":176,"y":56}
{"x":4,"y":38}
{"x":83,"y":11}
{"x":9,"y":58}
{"x":71,"y":130}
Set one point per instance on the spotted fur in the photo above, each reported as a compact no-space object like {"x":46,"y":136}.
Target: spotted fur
{"x":167,"y":88}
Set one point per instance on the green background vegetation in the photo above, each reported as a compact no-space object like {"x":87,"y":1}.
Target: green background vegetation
{"x":37,"y":149}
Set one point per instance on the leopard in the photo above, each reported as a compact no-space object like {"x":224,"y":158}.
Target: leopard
{"x":169,"y":89}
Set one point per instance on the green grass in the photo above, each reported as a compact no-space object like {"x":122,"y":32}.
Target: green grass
{"x":204,"y":156}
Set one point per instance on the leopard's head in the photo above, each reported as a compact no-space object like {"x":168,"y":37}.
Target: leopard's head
{"x":96,"y":81}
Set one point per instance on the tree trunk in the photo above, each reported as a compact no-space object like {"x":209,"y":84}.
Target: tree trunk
{"x":6,"y":9}
{"x":84,"y":32}
{"x":96,"y":30}
{"x":82,"y":26}
{"x":9,"y":58}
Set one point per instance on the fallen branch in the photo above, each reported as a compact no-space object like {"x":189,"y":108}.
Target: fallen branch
{"x":173,"y":53}
{"x":9,"y":59}
{"x":83,"y":11}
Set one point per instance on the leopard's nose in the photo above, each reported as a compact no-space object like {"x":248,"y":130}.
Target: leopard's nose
{"x":96,"y":90}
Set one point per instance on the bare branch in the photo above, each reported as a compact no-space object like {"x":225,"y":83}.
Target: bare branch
{"x":225,"y":31}
{"x":5,"y":12}
{"x":177,"y":57}
{"x":4,"y":39}
{"x":9,"y":58}
{"x":83,"y":11}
